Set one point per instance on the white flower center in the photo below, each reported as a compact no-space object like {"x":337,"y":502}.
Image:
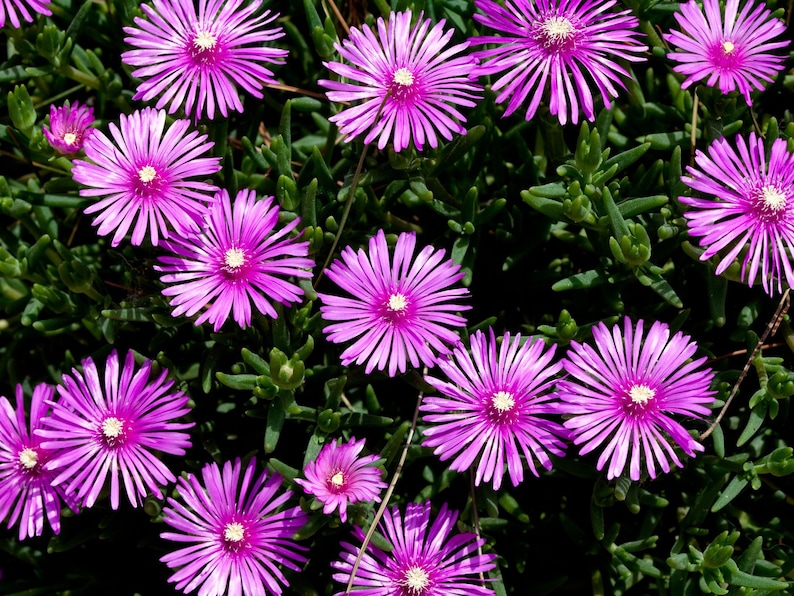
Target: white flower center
{"x":503,"y":401}
{"x":404,"y":77}
{"x":204,"y":40}
{"x":558,"y":30}
{"x":70,"y":138}
{"x":234,"y":259}
{"x":641,"y":394}
{"x":233,"y":532}
{"x":728,"y":47}
{"x":397,"y":302}
{"x":112,"y":427}
{"x":337,"y":479}
{"x":146,"y":174}
{"x":415,"y":580}
{"x":28,"y":458}
{"x":773,"y":198}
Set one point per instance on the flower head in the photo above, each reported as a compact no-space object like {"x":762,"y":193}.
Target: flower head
{"x":70,"y":126}
{"x":26,"y":491}
{"x":425,"y":561}
{"x":407,"y":79}
{"x":115,"y":430}
{"x":235,"y":534}
{"x":143,"y":175}
{"x":338,"y":476}
{"x":237,"y":260}
{"x":14,"y":9}
{"x":621,"y":395}
{"x":730,"y":50}
{"x":493,"y":408}
{"x":752,"y":207}
{"x":401,"y":307}
{"x":567,"y":46}
{"x":200,"y":58}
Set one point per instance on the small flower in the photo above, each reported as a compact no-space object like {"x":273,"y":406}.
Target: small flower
{"x":493,"y":408}
{"x":728,"y":50}
{"x":235,"y":261}
{"x":143,"y":174}
{"x":567,"y":46}
{"x":400,"y":309}
{"x":752,"y":207}
{"x":200,"y":58}
{"x":26,"y":490}
{"x":338,"y":476}
{"x":115,"y":431}
{"x":70,"y":126}
{"x":10,"y":8}
{"x":409,"y":84}
{"x":424,"y":562}
{"x":622,"y":394}
{"x":235,"y":534}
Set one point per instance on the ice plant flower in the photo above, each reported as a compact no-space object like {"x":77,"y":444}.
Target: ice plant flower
{"x":569,"y":48}
{"x":70,"y":126}
{"x":730,"y":50}
{"x":235,"y":531}
{"x":26,"y":491}
{"x":495,"y":407}
{"x":400,"y":308}
{"x":143,"y":177}
{"x":750,"y":206}
{"x":199,"y":58}
{"x":238,"y":259}
{"x":338,"y":476}
{"x":12,"y":10}
{"x":425,"y":561}
{"x":409,"y":83}
{"x":620,"y":396}
{"x":114,"y":428}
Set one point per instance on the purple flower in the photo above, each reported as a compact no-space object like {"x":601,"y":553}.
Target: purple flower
{"x":401,"y":307}
{"x":114,"y":428}
{"x":567,"y":46}
{"x":620,"y":395}
{"x":730,"y":51}
{"x":338,"y":476}
{"x":143,"y":175}
{"x":26,"y":491}
{"x":235,"y":261}
{"x":70,"y":127}
{"x":10,"y":8}
{"x":424,"y":562}
{"x":200,"y":58}
{"x":234,"y":533}
{"x":408,"y":83}
{"x":752,"y":208}
{"x":493,"y":408}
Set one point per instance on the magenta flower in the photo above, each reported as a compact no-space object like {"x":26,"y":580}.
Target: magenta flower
{"x":143,"y":176}
{"x":200,"y":58}
{"x":235,"y":534}
{"x":620,"y":396}
{"x":26,"y":491}
{"x":13,"y":9}
{"x":338,"y":476}
{"x":569,"y":47}
{"x":494,"y":408}
{"x":70,"y":126}
{"x":235,"y":261}
{"x":424,"y":562}
{"x":400,"y":308}
{"x":751,"y":207}
{"x":731,"y":50}
{"x":115,"y":431}
{"x":408,"y":81}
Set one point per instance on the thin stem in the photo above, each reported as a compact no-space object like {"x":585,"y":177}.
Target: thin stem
{"x":339,"y":17}
{"x":298,"y":90}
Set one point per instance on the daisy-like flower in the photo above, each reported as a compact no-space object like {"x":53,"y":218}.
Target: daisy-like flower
{"x":425,"y":561}
{"x":236,"y":536}
{"x":70,"y":126}
{"x":26,"y":490}
{"x":338,"y":476}
{"x":12,"y":10}
{"x":235,"y":261}
{"x":143,"y":177}
{"x":400,"y":308}
{"x":494,"y":408}
{"x":569,"y":47}
{"x":751,"y":207}
{"x":114,"y":429}
{"x":409,"y":82}
{"x":620,"y":396}
{"x":198,"y":59}
{"x":730,"y":50}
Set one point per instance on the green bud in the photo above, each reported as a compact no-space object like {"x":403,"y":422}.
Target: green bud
{"x":420,"y":189}
{"x":329,"y":421}
{"x":322,"y":43}
{"x":577,"y":209}
{"x":719,"y":551}
{"x":76,"y":276}
{"x":566,"y":326}
{"x":21,"y":110}
{"x":287,"y":193}
{"x":286,"y":373}
{"x":48,"y":43}
{"x":53,"y":298}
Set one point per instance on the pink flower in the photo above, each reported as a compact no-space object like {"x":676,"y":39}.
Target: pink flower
{"x":70,"y":127}
{"x":13,"y":9}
